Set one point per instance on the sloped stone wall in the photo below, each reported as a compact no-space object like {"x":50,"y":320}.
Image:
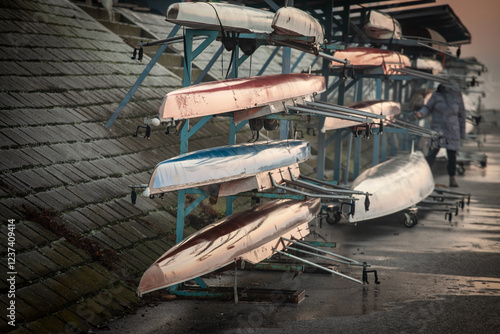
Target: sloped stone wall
{"x":79,"y":244}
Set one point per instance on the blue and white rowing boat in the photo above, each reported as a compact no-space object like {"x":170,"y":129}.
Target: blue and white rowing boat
{"x":226,"y":163}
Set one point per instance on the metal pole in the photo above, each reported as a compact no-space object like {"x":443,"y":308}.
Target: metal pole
{"x":348,"y":162}
{"x":139,"y":80}
{"x":325,"y":71}
{"x":285,"y":68}
{"x":318,"y":266}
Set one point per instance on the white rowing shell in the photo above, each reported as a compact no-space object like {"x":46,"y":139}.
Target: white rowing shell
{"x":295,"y":22}
{"x":395,"y":185}
{"x":382,"y":26}
{"x":211,"y":16}
{"x":376,"y":107}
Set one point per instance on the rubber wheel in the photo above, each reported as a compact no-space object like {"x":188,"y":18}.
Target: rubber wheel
{"x":333,"y":216}
{"x":410,"y":219}
{"x":460,"y":170}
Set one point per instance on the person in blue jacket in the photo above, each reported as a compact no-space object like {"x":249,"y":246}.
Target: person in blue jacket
{"x":448,"y":117}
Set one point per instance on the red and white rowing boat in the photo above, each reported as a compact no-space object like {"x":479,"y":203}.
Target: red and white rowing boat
{"x":363,"y":57}
{"x":248,"y":94}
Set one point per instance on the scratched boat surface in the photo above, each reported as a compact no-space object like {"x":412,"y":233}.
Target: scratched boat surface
{"x":295,"y":22}
{"x":382,"y":26}
{"x":249,"y":235}
{"x":211,"y":16}
{"x":378,"y":107}
{"x":212,"y":98}
{"x":395,"y":185}
{"x":369,"y":57}
{"x":225,"y":163}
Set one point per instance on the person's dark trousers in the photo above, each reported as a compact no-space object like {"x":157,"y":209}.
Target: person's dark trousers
{"x":452,"y":162}
{"x":452,"y":159}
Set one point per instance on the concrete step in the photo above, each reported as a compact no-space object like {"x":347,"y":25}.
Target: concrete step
{"x":99,"y":13}
{"x":169,"y":60}
{"x":195,"y":72}
{"x":134,"y":7}
{"x":126,"y":29}
{"x":133,"y":34}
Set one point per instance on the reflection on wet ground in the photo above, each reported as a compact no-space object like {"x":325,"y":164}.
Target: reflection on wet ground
{"x":437,"y":277}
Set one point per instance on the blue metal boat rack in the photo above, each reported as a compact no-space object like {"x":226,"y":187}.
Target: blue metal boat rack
{"x":380,"y":145}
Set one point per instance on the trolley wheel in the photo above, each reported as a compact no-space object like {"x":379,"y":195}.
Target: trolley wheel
{"x":410,"y":220}
{"x":333,"y":215}
{"x":460,"y":170}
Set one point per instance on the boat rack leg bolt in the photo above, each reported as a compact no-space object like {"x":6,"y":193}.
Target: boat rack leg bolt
{"x":367,"y":203}
{"x":133,"y":196}
{"x":365,"y":274}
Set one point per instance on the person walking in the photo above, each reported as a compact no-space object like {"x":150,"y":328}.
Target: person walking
{"x":448,"y":117}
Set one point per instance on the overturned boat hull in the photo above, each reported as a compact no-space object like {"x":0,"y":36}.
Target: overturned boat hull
{"x":429,"y":64}
{"x":376,"y":107}
{"x":395,"y":185}
{"x":295,"y":22}
{"x":226,"y":163}
{"x":253,"y":93}
{"x":250,"y":235}
{"x":364,"y":57}
{"x":382,"y":26}
{"x":217,"y":16}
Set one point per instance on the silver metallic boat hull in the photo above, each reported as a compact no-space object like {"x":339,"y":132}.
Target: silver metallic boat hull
{"x":249,"y":235}
{"x":395,"y":185}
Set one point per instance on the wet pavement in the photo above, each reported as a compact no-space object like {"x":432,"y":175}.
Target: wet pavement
{"x":437,"y":277}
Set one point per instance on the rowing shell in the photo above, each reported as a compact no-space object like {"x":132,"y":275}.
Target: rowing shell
{"x":249,"y":235}
{"x":433,"y":65}
{"x":376,"y":107}
{"x":226,"y":163}
{"x":247,"y":94}
{"x":382,"y":26}
{"x":295,"y":22}
{"x":395,"y":185}
{"x":211,"y":16}
{"x":363,"y":57}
